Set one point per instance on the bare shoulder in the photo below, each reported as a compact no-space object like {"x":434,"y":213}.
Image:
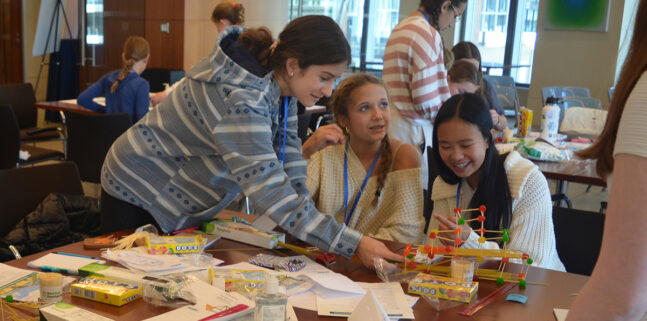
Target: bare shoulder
{"x":405,"y":156}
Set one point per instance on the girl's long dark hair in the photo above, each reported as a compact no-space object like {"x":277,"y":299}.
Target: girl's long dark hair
{"x":493,"y":190}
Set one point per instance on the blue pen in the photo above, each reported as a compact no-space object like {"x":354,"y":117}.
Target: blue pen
{"x":78,"y":255}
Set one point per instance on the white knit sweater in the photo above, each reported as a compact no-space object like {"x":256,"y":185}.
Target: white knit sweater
{"x":531,"y":228}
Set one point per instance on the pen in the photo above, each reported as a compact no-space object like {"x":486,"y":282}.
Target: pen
{"x":78,"y":255}
{"x":232,"y":310}
{"x":15,"y":252}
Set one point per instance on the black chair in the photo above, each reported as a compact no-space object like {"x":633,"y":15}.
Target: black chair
{"x":22,"y":189}
{"x":10,"y":144}
{"x":157,"y":77}
{"x":579,"y":236}
{"x":22,"y":99}
{"x":89,"y":138}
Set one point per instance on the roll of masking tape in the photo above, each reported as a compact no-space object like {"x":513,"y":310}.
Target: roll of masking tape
{"x":51,"y":287}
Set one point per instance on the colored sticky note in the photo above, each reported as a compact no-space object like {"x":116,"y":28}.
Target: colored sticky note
{"x":517,"y":298}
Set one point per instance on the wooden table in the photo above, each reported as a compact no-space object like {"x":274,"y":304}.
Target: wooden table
{"x":63,"y":106}
{"x":541,"y":299}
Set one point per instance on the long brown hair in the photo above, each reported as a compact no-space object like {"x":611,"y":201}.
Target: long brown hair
{"x":229,"y":10}
{"x":462,"y":71}
{"x":312,"y":40}
{"x":433,"y":7}
{"x":135,"y":49}
{"x":340,"y":101}
{"x":634,"y":66}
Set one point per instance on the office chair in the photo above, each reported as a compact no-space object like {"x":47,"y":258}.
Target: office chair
{"x":564,"y":91}
{"x":157,"y":77}
{"x":22,"y":99}
{"x":10,"y":144}
{"x":89,"y":138}
{"x":506,"y":90}
{"x":22,"y":189}
{"x":578,"y":235}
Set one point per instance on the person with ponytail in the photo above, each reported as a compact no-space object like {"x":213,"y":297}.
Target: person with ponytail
{"x":229,"y":131}
{"x":471,"y":173}
{"x":616,"y":289}
{"x":226,"y":14}
{"x":414,"y":71}
{"x":371,"y":182}
{"x":124,"y":89}
{"x":467,"y":51}
{"x":463,"y":77}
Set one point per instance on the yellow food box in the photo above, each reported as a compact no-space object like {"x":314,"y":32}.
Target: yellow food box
{"x":174,"y":244}
{"x":106,"y":290}
{"x":525,"y":122}
{"x":443,"y":287}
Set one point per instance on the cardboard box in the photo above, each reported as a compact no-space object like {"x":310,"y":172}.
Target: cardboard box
{"x":443,"y":287}
{"x":244,"y":233}
{"x":106,"y":290}
{"x":174,"y":244}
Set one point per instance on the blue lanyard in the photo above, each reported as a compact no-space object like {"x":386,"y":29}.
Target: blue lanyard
{"x":348,"y":215}
{"x":425,"y":15}
{"x":285,"y":131}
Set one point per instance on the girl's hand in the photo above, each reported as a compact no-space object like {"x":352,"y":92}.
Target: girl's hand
{"x":369,"y":249}
{"x":323,"y":137}
{"x":449,"y":223}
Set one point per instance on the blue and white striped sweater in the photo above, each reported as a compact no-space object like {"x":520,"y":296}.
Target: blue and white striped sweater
{"x":217,"y":136}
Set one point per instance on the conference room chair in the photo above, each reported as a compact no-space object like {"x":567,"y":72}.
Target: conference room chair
{"x":89,"y":138}
{"x":564,"y":91}
{"x":578,"y":236}
{"x":21,"y":98}
{"x":22,"y":189}
{"x":10,"y":144}
{"x":157,"y":77}
{"x":506,"y":90}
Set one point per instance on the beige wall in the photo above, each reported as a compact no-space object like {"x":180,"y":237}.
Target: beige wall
{"x":575,"y":58}
{"x":200,"y":33}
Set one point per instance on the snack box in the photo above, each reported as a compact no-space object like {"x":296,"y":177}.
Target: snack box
{"x":106,"y":290}
{"x":244,"y":233}
{"x":174,"y":244}
{"x":443,"y":287}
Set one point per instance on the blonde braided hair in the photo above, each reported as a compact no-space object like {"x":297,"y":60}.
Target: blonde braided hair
{"x":339,"y":103}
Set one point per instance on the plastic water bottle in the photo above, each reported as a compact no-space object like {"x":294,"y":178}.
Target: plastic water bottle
{"x":550,"y":119}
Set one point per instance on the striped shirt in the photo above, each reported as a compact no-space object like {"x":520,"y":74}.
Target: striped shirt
{"x":414,"y":70}
{"x":217,"y":136}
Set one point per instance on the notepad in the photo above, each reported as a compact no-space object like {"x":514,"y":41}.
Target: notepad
{"x":62,"y":263}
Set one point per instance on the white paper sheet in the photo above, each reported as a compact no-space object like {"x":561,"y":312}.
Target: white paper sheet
{"x":161,"y":264}
{"x":63,"y":263}
{"x":10,"y":274}
{"x":390,"y":295}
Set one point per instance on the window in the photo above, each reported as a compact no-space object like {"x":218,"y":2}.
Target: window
{"x":94,"y":28}
{"x":505,"y":33}
{"x":367,"y":45}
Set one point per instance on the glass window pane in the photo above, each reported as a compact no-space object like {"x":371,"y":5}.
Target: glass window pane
{"x":349,"y":14}
{"x":94,"y":28}
{"x":523,"y":49}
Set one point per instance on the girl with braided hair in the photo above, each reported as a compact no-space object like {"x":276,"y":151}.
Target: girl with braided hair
{"x":124,"y":89}
{"x":371,"y":182}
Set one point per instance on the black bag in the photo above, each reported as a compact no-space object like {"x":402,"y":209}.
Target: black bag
{"x":58,"y":220}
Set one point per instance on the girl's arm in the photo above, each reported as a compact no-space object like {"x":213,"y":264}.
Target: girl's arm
{"x":142,"y":100}
{"x":616,"y":289}
{"x":96,"y":90}
{"x":406,"y":223}
{"x":531,"y":228}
